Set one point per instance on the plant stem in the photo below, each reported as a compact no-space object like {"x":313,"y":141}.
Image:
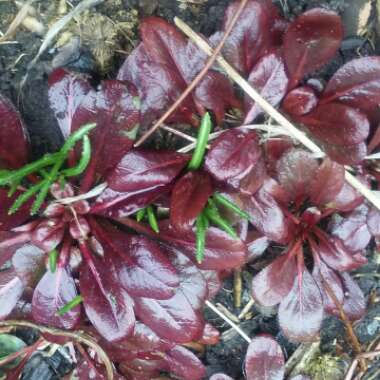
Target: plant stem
{"x":152,"y":219}
{"x":70,"y":305}
{"x":201,"y":226}
{"x":232,"y":206}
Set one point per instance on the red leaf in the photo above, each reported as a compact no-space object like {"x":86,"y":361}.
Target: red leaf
{"x":264,"y":360}
{"x":346,"y":155}
{"x":256,"y":244}
{"x":11,"y":289}
{"x":211,"y":335}
{"x":216,"y":93}
{"x":269,"y":78}
{"x":267,"y":216}
{"x":354,"y":304}
{"x":300,"y":101}
{"x":54,"y":291}
{"x":221,"y":251}
{"x":334,"y":253}
{"x":8,"y":222}
{"x":29,"y":264}
{"x":251,"y":35}
{"x":147,"y":271}
{"x":337,"y":124}
{"x":48,"y":234}
{"x":109,"y":309}
{"x":66,"y":93}
{"x":295,"y":171}
{"x":373,"y":222}
{"x":353,"y":230}
{"x":274,"y":282}
{"x":327,"y":182}
{"x":356,"y":84}
{"x":347,"y":199}
{"x":323,"y":274}
{"x":301,"y":312}
{"x":189,"y":196}
{"x":233,"y":158}
{"x":142,"y":170}
{"x":14,"y":141}
{"x":184,"y":364}
{"x":116,"y":113}
{"x":116,"y":204}
{"x":214,"y":282}
{"x":90,"y":370}
{"x":311,"y":40}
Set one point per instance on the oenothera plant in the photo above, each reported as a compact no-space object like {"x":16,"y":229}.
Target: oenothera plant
{"x":73,"y":223}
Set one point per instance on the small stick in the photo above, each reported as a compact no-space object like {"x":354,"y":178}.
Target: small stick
{"x":350,"y":330}
{"x":246,"y":308}
{"x":75,"y":335}
{"x":232,"y":324}
{"x":238,"y":282}
{"x":197,"y":79}
{"x":266,"y":106}
{"x":178,"y":133}
{"x":354,"y":364}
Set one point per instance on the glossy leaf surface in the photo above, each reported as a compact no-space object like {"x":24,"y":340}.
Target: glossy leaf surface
{"x":269,"y":78}
{"x":264,"y":360}
{"x":300,"y":101}
{"x":54,"y":291}
{"x":14,"y":141}
{"x":311,"y":40}
{"x":11,"y":289}
{"x":189,"y":197}
{"x":301,"y":311}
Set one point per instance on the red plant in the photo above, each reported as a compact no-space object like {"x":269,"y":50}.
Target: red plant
{"x":64,"y":218}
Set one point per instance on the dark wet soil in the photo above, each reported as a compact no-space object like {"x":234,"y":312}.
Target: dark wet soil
{"x":205,"y":18}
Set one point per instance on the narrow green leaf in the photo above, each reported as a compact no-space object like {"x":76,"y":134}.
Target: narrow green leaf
{"x":213,"y":215}
{"x":70,"y":305}
{"x":232,"y":206}
{"x":140,"y":215}
{"x":83,"y":162}
{"x":53,"y":255}
{"x":75,"y":137}
{"x":202,"y":139}
{"x":152,"y":219}
{"x":24,"y":197}
{"x":201,"y":226}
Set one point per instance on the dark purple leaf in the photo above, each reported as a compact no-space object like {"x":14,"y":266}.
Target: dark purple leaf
{"x":214,"y":282}
{"x":233,"y":158}
{"x":257,"y":244}
{"x":90,"y":370}
{"x":146,"y":270}
{"x":335,"y":254}
{"x":11,"y":289}
{"x":327,"y":183}
{"x":274,"y":282}
{"x":221,"y":251}
{"x":189,"y":197}
{"x":346,"y":155}
{"x":323,"y":275}
{"x":108,"y":306}
{"x":184,"y":364}
{"x":29,"y":264}
{"x":354,"y":304}
{"x":115,"y":110}
{"x":48,"y":234}
{"x":142,"y":170}
{"x":53,"y":292}
{"x":311,"y":40}
{"x":356,"y":84}
{"x":347,"y":199}
{"x":66,"y":93}
{"x":300,"y":101}
{"x":143,"y":369}
{"x":269,"y":78}
{"x":116,"y":204}
{"x":264,"y":360}
{"x":14,"y":141}
{"x":193,"y":284}
{"x":211,"y":335}
{"x":301,"y":311}
{"x":251,"y":35}
{"x":337,"y":124}
{"x":295,"y":171}
{"x":216,"y":93}
{"x":7,"y":222}
{"x":267,"y":216}
{"x":353,"y":230}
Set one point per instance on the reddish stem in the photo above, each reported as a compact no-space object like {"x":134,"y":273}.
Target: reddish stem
{"x":64,"y":256}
